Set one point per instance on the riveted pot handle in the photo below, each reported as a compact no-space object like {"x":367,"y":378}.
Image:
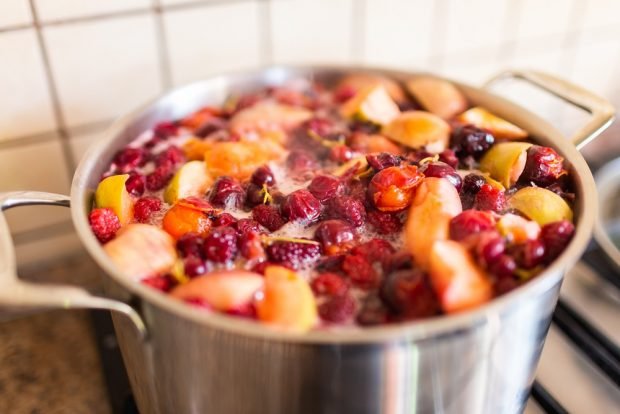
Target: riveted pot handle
{"x":602,"y":111}
{"x":16,"y":293}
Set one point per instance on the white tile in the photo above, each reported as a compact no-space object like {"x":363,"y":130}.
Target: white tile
{"x":311,"y":30}
{"x":39,"y":167}
{"x":62,"y":9}
{"x":398,"y":32}
{"x":104,"y":68}
{"x":25,"y":106}
{"x":474,"y":24}
{"x":596,"y":64}
{"x":473,"y":70}
{"x":48,"y":249}
{"x":212,"y":39}
{"x":601,"y":13}
{"x":175,"y":2}
{"x":81,"y":143}
{"x":14,"y":12}
{"x":544,"y":18}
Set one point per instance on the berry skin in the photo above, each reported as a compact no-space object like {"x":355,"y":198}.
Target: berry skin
{"x":443,"y":170}
{"x":324,"y":187}
{"x":335,"y":236}
{"x":268,"y":217}
{"x":135,"y":184}
{"x":392,"y":189}
{"x":360,"y":271}
{"x":158,"y":179}
{"x":374,"y":250}
{"x":227,"y":192}
{"x":409,"y":295}
{"x":104,"y":224}
{"x":337,"y":309}
{"x":162,"y":283}
{"x":128,"y":159}
{"x":301,"y":205}
{"x":490,"y":198}
{"x":470,"y":222}
{"x":530,"y":254}
{"x":145,"y":207}
{"x":194,"y":266}
{"x":470,"y":140}
{"x":292,"y":253}
{"x":555,"y":237}
{"x":221,"y":245}
{"x":383,"y":160}
{"x":263,"y":175}
{"x":347,"y":208}
{"x":384,"y":223}
{"x":449,"y":157}
{"x":191,"y":244}
{"x":224,"y":219}
{"x":170,"y":156}
{"x":329,"y":284}
{"x":543,"y":166}
{"x":503,"y":267}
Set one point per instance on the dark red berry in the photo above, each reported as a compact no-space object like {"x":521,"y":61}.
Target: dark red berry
{"x":503,"y":267}
{"x":224,"y":219}
{"x":158,"y":179}
{"x":470,"y":222}
{"x":472,"y":183}
{"x":443,"y":170}
{"x":329,"y":284}
{"x":171,"y":155}
{"x":227,"y":193}
{"x":383,"y":160}
{"x":319,"y":126}
{"x":324,"y":187}
{"x":334,"y":235}
{"x":490,"y":247}
{"x":256,"y":195}
{"x":555,"y":237}
{"x":268,"y":217}
{"x":293,"y":253}
{"x":128,"y":159}
{"x":221,"y":245}
{"x":247,"y":225}
{"x":528,"y":255}
{"x":360,"y":271}
{"x":104,"y":224}
{"x":195,"y":266}
{"x":135,"y":184}
{"x":337,"y":309}
{"x":374,"y":250}
{"x":340,"y":153}
{"x":330,"y":263}
{"x":165,"y":130}
{"x":449,"y":157}
{"x":251,"y":246}
{"x":190,"y":244}
{"x":490,"y":198}
{"x":300,"y":162}
{"x":210,"y":126}
{"x":263,"y":175}
{"x":373,"y":311}
{"x":384,"y":223}
{"x":397,"y":261}
{"x":162,"y":283}
{"x":471,"y":140}
{"x":346,"y":208}
{"x":344,"y":93}
{"x":301,"y":205}
{"x":543,"y":166}
{"x":145,"y":207}
{"x":409,"y":294}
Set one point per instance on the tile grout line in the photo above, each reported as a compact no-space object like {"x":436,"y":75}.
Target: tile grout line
{"x":53,"y":92}
{"x":163,"y":51}
{"x":266,"y":40}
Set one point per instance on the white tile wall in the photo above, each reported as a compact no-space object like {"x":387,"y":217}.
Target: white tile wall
{"x":14,"y":12}
{"x":545,"y":18}
{"x":63,"y":9}
{"x":81,"y":142}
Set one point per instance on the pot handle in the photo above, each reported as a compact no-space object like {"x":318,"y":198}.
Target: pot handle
{"x":17,"y":293}
{"x":602,"y":111}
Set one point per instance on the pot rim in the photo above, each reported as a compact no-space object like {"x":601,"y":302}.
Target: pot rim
{"x":426,"y":328}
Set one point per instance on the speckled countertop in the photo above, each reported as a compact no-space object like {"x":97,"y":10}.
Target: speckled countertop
{"x":48,"y":360}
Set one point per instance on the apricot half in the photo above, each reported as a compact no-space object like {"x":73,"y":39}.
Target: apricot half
{"x":437,"y":96}
{"x":419,"y":129}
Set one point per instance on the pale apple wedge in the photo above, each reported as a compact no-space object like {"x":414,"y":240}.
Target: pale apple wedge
{"x":435,"y":203}
{"x":142,"y":250}
{"x":372,"y":104}
{"x":505,"y":161}
{"x":111,"y":193}
{"x":239,"y":159}
{"x":268,"y":116}
{"x":419,"y":129}
{"x":517,"y":229}
{"x":541,"y":205}
{"x":437,"y":96}
{"x":458,"y":282}
{"x":359,"y":81}
{"x":225,"y":290}
{"x":499,"y":127}
{"x":288,"y":301}
{"x":192,"y":179}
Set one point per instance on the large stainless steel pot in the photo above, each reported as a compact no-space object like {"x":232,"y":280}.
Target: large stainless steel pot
{"x":182,"y":360}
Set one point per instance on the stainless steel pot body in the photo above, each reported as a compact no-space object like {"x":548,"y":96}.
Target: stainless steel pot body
{"x":182,"y":360}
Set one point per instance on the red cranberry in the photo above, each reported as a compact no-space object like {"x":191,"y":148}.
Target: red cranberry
{"x":384,"y":223}
{"x":145,"y":207}
{"x":263,"y":175}
{"x":471,"y":140}
{"x":224,"y":219}
{"x":555,"y":237}
{"x":293,"y":253}
{"x":251,"y":246}
{"x":408,"y":294}
{"x":443,"y":170}
{"x":397,"y":261}
{"x":337,"y":309}
{"x":329,"y":284}
{"x":320,"y":126}
{"x":255,"y":195}
{"x":171,"y":155}
{"x":301,"y":205}
{"x":372,"y":312}
{"x":301,"y":161}
{"x":324,"y":187}
{"x":158,"y":179}
{"x":383,"y":160}
{"x":330,"y":263}
{"x":530,"y":254}
{"x":162,"y":283}
{"x":104,"y":224}
{"x":449,"y":157}
{"x":227,"y":193}
{"x":470,"y":222}
{"x":246,"y":225}
{"x":268,"y":217}
{"x":490,"y":247}
{"x":543,"y":166}
{"x":195,"y":266}
{"x":503,"y":267}
{"x":128,"y":159}
{"x":360,"y":271}
{"x":334,"y":235}
{"x":490,"y":198}
{"x":190,"y":244}
{"x":472,"y":183}
{"x":221,"y":245}
{"x":165,"y":130}
{"x":347,"y":208}
{"x":135,"y":184}
{"x":374,"y":250}
{"x":340,"y":153}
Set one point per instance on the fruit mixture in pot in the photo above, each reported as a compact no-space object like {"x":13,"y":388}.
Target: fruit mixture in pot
{"x":308,"y":207}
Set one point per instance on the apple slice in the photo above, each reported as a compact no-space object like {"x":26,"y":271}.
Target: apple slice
{"x":435,"y":203}
{"x":372,"y":104}
{"x":192,"y":179}
{"x":239,"y":159}
{"x":499,"y":127}
{"x":358,"y":81}
{"x":505,"y":161}
{"x":541,"y":205}
{"x":111,"y":193}
{"x":142,"y":250}
{"x":224,"y":290}
{"x":288,"y":301}
{"x":458,"y":282}
{"x":419,"y":129}
{"x":437,"y":96}
{"x":517,"y":229}
{"x":265,"y":116}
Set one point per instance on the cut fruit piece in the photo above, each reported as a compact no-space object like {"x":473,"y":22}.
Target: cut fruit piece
{"x":194,"y":148}
{"x":111,"y":193}
{"x":419,"y":129}
{"x":458,"y":282}
{"x":183,"y":218}
{"x":505,"y":161}
{"x":360,"y":162}
{"x":358,"y":81}
{"x":239,"y":159}
{"x":368,"y":144}
{"x":288,"y":301}
{"x":142,"y":250}
{"x":517,"y":229}
{"x":437,"y":96}
{"x":266,"y":116}
{"x":225,"y":290}
{"x":372,"y":104}
{"x":435,"y":203}
{"x":499,"y":127}
{"x":541,"y":205}
{"x":192,"y":179}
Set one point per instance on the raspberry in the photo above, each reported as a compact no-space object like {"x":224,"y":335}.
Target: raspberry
{"x":128,"y":159}
{"x":145,"y":207}
{"x":337,"y":309}
{"x":347,"y":208}
{"x":171,"y":155}
{"x":268,"y":217}
{"x":374,"y":250}
{"x":135,"y":184}
{"x":384,"y":223}
{"x":490,"y":198}
{"x":194,"y":266}
{"x":104,"y":224}
{"x":470,"y":222}
{"x":329,"y":284}
{"x":190,"y":244}
{"x":360,"y":271}
{"x":158,"y":179}
{"x":221,"y":245}
{"x":165,"y":130}
{"x":293,"y":253}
